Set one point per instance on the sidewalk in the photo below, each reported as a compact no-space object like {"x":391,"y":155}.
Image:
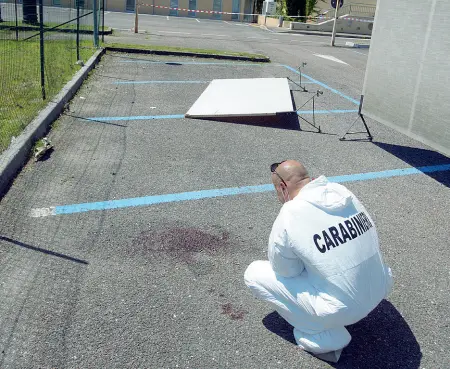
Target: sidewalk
{"x":318,"y":33}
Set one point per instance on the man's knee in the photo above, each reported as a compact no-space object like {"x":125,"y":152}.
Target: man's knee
{"x":256,"y":271}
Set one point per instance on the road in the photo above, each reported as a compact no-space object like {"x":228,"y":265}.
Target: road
{"x":126,"y":247}
{"x":290,"y":48}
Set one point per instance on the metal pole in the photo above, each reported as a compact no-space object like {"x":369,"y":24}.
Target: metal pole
{"x":136,"y":21}
{"x":335,"y":23}
{"x":95,"y":11}
{"x":300,"y":75}
{"x":78,"y":29}
{"x":103,"y":21}
{"x":17,"y":22}
{"x":314,"y":115}
{"x":41,"y":48}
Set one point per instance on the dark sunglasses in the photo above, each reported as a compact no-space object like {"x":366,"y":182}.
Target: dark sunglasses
{"x":273,"y":169}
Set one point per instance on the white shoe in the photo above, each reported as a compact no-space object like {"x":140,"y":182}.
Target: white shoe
{"x":332,"y":356}
{"x":326,"y":345}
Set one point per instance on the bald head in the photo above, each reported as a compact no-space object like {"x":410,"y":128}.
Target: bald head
{"x":294,"y":175}
{"x":292,"y":171}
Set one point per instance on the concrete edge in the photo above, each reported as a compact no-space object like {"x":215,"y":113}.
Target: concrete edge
{"x":328,"y":34}
{"x":18,"y":152}
{"x":356,"y":45}
{"x":183,"y":53}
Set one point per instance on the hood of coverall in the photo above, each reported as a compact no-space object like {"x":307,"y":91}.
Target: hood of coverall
{"x":327,"y":196}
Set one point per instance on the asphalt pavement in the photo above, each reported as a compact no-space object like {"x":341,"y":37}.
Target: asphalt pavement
{"x":105,"y":265}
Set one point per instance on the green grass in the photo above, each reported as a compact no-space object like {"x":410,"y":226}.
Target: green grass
{"x":21,"y":98}
{"x":47,"y":25}
{"x":184,"y":49}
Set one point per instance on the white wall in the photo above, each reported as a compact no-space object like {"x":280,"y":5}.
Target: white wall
{"x":407,"y":77}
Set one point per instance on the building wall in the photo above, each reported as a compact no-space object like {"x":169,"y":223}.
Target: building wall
{"x":407,"y":77}
{"x":115,"y":5}
{"x":207,"y":5}
{"x":146,"y":7}
{"x":342,"y":25}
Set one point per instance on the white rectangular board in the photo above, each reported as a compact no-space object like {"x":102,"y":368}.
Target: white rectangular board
{"x":242,"y":98}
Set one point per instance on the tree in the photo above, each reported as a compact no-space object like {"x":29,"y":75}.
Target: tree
{"x":296,"y":7}
{"x":29,"y":12}
{"x":310,"y":6}
{"x":291,"y":7}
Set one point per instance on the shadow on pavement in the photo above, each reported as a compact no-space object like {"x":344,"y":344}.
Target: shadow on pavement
{"x":287,"y":121}
{"x":420,"y":158}
{"x":276,"y":324}
{"x":44,"y":251}
{"x":381,"y":340}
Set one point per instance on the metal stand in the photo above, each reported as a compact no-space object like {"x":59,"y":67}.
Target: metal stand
{"x":367,"y":131}
{"x":303,"y":88}
{"x":316,"y":94}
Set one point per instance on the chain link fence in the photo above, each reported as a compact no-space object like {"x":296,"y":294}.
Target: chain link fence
{"x":43,"y":43}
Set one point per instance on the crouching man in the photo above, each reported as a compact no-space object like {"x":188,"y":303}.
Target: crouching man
{"x":325,"y":269}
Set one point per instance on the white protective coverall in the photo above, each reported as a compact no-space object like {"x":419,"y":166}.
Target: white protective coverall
{"x":325,"y":269}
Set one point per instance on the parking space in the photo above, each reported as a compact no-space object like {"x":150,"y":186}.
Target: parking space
{"x":127,"y":246}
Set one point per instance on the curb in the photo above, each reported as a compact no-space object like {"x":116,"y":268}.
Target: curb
{"x":18,"y":152}
{"x":192,"y":54}
{"x":358,"y":46}
{"x":319,"y":33}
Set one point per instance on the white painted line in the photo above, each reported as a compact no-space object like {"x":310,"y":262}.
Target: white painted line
{"x":227,"y":22}
{"x":184,"y":33}
{"x":291,"y":34}
{"x":354,"y":39}
{"x":42,"y":212}
{"x":359,"y":52}
{"x":332,"y":58}
{"x":260,"y":38}
{"x":213,"y":34}
{"x":167,"y":17}
{"x":313,"y":42}
{"x":197,"y":20}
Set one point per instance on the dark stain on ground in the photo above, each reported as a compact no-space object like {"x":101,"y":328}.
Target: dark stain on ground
{"x":212,"y":291}
{"x":180,"y":242}
{"x":234,"y":314}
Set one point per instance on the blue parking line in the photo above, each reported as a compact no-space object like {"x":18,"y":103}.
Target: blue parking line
{"x":189,"y":63}
{"x":138,"y":117}
{"x":169,"y":82}
{"x":390,"y":173}
{"x":335,"y":111}
{"x":160,"y":199}
{"x":155,"y":82}
{"x":204,"y":194}
{"x":246,"y":64}
{"x":321,"y":84}
{"x":181,"y":116}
